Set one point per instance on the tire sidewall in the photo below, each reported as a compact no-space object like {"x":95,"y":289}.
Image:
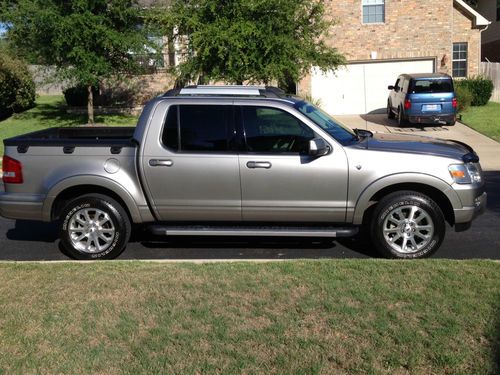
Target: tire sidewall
{"x":420,"y":201}
{"x":117,"y":216}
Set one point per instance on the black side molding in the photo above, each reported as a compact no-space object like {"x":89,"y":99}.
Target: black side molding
{"x":471,"y":157}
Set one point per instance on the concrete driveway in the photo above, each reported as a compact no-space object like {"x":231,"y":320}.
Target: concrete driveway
{"x":487,"y":149}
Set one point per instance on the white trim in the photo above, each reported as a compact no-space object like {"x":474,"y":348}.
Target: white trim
{"x":479,"y":20}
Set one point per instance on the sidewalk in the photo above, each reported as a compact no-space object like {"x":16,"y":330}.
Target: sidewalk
{"x":487,"y":149}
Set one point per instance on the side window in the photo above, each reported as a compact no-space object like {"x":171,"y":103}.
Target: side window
{"x":204,"y":128}
{"x":272,"y":130}
{"x":396,"y":85}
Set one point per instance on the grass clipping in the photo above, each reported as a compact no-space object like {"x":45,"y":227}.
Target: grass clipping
{"x":311,"y":317}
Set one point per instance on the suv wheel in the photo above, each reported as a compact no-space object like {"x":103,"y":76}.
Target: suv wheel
{"x":94,"y":227}
{"x":407,"y":225}
{"x":390,"y":114}
{"x":401,"y":117}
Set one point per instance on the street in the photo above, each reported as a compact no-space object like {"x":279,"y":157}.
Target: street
{"x":33,"y":241}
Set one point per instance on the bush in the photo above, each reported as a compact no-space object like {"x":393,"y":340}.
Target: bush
{"x":77,"y":96}
{"x":17,"y":88}
{"x":464,"y":97}
{"x":480,"y":87}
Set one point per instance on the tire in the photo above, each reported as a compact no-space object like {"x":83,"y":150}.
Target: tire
{"x":83,"y":238}
{"x":407,"y":225}
{"x":401,"y":118}
{"x":451,"y":123}
{"x":390,"y":114}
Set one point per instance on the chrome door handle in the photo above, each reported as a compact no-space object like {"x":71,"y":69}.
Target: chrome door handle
{"x":160,"y":163}
{"x":259,"y":164}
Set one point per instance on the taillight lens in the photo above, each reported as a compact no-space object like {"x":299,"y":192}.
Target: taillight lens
{"x":407,"y":104}
{"x":12,"y":171}
{"x":454,"y":102}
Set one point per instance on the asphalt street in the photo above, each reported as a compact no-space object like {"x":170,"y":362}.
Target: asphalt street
{"x":33,"y":241}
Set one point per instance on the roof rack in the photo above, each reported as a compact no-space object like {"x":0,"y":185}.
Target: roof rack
{"x":228,"y":90}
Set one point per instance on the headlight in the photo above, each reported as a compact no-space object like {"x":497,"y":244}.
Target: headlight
{"x":465,"y":173}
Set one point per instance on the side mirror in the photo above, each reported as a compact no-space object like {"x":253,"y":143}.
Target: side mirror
{"x":390,"y":87}
{"x":318,"y":147}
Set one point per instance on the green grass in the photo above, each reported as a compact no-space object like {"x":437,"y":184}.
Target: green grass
{"x":485,"y":119}
{"x":303,"y":317}
{"x":50,"y":111}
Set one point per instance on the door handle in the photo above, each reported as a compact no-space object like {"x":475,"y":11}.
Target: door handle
{"x":160,"y":163}
{"x":259,"y":164}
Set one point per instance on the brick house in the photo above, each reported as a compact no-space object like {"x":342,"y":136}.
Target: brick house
{"x":491,"y":36}
{"x":384,"y":38}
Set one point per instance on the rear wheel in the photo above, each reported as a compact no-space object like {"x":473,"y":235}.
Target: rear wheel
{"x":407,"y":225}
{"x":390,"y":114}
{"x":94,"y":227}
{"x":401,"y":117}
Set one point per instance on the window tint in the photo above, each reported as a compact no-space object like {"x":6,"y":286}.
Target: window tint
{"x":202,"y":128}
{"x":275,"y":131}
{"x":373,"y":11}
{"x":431,"y":85}
{"x":459,"y":60}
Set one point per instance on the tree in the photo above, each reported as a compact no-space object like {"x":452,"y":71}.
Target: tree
{"x":86,"y":40}
{"x":248,"y":40}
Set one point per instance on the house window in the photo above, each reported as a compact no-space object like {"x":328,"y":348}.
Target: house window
{"x":498,"y":10}
{"x":459,"y":59}
{"x":373,"y":11}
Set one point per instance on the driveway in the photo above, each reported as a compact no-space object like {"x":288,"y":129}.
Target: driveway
{"x":487,"y":149}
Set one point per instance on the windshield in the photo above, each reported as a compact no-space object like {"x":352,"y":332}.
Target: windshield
{"x":338,"y":131}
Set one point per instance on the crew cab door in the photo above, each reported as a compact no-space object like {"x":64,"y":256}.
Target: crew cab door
{"x":190,"y":168}
{"x":280,"y":182}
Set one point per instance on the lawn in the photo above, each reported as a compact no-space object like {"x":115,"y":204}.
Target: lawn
{"x":50,"y":111}
{"x":295,"y":317}
{"x":485,"y":120}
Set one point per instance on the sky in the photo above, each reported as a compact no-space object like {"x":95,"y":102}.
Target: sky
{"x":2,"y":29}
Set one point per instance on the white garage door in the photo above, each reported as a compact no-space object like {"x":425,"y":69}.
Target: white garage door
{"x":361,"y":88}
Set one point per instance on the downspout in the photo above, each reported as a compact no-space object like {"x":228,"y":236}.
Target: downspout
{"x":480,"y":46}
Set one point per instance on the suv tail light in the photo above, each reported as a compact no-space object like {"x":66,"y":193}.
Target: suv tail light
{"x":12,"y":171}
{"x":454,"y":102}
{"x":407,"y":104}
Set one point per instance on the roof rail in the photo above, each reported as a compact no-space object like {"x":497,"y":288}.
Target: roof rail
{"x":228,"y":90}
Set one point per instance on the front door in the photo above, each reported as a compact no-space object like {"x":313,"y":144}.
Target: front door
{"x":280,"y":182}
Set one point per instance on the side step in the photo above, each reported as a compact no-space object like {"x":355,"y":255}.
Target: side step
{"x":203,"y":230}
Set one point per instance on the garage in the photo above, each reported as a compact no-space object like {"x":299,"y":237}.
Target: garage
{"x":359,"y":88}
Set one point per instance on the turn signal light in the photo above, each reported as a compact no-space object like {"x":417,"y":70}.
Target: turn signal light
{"x":12,"y":171}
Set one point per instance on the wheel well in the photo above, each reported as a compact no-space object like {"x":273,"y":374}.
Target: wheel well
{"x":435,"y":194}
{"x":74,"y":192}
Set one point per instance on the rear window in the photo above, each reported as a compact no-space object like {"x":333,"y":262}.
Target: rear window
{"x":431,"y":86}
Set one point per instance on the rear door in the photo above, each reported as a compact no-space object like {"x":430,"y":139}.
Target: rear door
{"x":190,"y":164}
{"x":432,"y":96}
{"x":280,"y":182}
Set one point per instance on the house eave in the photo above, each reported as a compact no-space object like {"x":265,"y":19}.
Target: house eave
{"x":477,"y":19}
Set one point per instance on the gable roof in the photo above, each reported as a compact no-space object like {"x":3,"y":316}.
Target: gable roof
{"x":477,"y":19}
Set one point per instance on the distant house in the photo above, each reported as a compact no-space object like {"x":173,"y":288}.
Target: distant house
{"x":490,"y":38}
{"x":384,"y":38}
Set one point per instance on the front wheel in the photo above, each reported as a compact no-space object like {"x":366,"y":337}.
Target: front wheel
{"x":407,"y":225}
{"x":94,"y":227}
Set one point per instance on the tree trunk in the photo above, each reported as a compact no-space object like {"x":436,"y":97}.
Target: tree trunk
{"x":90,"y":105}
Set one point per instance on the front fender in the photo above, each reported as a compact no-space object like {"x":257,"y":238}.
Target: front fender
{"x":364,"y":200}
{"x":102,"y":182}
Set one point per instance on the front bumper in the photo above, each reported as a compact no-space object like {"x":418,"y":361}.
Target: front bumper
{"x":465,"y":215}
{"x":432,"y":119}
{"x":21,"y":206}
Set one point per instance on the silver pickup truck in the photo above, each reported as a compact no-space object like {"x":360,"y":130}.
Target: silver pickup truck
{"x":240,"y":161}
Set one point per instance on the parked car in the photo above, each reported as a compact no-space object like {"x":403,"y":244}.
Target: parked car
{"x":423,"y":99}
{"x":240,"y":161}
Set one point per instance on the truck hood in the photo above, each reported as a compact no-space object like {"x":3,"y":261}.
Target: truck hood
{"x":414,"y":144}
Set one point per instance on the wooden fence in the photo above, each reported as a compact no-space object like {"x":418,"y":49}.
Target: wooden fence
{"x":492,"y":70}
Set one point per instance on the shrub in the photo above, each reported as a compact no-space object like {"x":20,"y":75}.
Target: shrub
{"x":464,"y":97}
{"x":17,"y":88}
{"x":480,"y":87}
{"x":77,"y":96}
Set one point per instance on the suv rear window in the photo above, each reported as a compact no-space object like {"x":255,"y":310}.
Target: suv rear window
{"x":431,"y":86}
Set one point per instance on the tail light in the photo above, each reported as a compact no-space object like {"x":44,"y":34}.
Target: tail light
{"x":12,"y":171}
{"x":454,"y":102}
{"x":407,"y":104}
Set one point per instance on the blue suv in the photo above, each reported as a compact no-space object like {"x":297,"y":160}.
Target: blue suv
{"x":423,"y":99}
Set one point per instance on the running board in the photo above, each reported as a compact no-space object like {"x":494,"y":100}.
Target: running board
{"x":201,"y":230}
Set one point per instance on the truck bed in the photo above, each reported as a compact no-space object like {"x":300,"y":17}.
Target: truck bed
{"x":76,"y":136}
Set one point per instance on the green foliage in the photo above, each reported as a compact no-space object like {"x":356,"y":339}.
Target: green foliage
{"x":248,"y":40}
{"x":480,"y":87}
{"x":77,"y":96}
{"x":464,"y":97}
{"x":17,"y":89}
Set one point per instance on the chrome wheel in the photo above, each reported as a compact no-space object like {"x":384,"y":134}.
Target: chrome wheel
{"x":408,"y":229}
{"x":91,"y":230}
